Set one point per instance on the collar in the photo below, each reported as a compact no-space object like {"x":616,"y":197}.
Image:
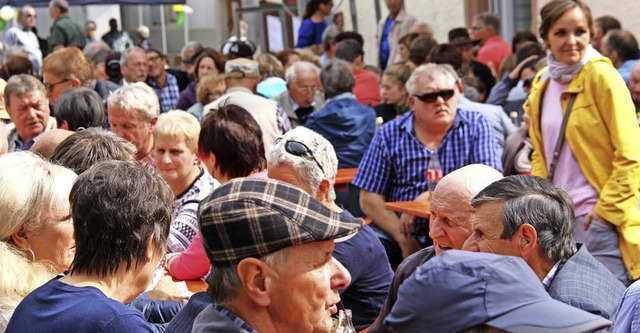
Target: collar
{"x":240,"y":89}
{"x":406,"y":121}
{"x":552,"y":273}
{"x":21,"y":145}
{"x":235,"y":319}
{"x":344,"y":95}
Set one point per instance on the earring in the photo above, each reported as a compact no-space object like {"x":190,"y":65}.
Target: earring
{"x":33,"y":256}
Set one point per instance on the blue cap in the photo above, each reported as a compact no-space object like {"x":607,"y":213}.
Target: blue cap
{"x":458,"y":290}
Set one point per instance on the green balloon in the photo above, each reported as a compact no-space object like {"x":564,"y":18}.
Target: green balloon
{"x":180,"y":19}
{"x":3,"y":24}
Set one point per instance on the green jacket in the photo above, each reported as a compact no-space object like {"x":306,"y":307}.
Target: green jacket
{"x":603,"y":134}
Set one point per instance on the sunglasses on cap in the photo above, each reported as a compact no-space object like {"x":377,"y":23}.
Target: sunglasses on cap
{"x":432,"y":97}
{"x":299,"y":149}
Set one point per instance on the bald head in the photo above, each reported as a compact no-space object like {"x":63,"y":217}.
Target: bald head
{"x":49,"y":141}
{"x":450,"y":208}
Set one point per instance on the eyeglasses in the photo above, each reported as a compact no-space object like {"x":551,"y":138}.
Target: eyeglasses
{"x":301,"y":150}
{"x":307,"y":89}
{"x":51,"y":86}
{"x":30,"y":15}
{"x":433,"y":96}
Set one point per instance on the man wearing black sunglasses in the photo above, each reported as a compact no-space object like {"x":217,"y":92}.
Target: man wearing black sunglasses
{"x":394,"y":168}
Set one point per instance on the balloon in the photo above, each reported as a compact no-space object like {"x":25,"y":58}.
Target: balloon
{"x":180,"y":19}
{"x":3,"y":24}
{"x":188,"y":10}
{"x":7,"y":13}
{"x":178,"y":8}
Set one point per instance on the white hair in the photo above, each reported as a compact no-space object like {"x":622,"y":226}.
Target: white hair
{"x":137,"y":98}
{"x":431,"y":71}
{"x":299,"y":66}
{"x":322,"y":151}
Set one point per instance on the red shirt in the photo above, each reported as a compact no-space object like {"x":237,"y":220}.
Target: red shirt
{"x":367,"y":89}
{"x":493,"y":52}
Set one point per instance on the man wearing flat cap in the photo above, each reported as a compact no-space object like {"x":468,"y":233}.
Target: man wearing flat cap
{"x":270,"y":245}
{"x":242,"y":77}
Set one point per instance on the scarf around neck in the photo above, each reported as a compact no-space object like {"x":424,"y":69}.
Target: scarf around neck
{"x":564,"y":73}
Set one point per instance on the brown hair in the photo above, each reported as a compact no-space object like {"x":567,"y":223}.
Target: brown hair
{"x":399,"y":72}
{"x":218,"y":59}
{"x":552,"y":11}
{"x":69,"y":63}
{"x":205,"y":86}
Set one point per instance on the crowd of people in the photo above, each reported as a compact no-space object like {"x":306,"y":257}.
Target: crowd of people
{"x":119,"y":175}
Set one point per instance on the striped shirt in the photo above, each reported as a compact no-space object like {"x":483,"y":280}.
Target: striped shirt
{"x":395,"y":165}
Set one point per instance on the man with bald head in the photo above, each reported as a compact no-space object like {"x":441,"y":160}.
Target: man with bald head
{"x":634,"y":86}
{"x":49,"y":141}
{"x":449,"y":224}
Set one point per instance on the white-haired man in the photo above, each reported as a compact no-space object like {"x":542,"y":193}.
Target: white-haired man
{"x":303,"y":95}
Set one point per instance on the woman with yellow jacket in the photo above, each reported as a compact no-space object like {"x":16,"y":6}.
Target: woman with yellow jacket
{"x":596,"y":156}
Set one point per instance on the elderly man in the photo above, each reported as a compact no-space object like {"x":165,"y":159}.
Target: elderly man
{"x":634,"y":86}
{"x":242,"y":77}
{"x":394,"y":168}
{"x":347,"y":124}
{"x":133,"y":66}
{"x":450,"y":225}
{"x":485,"y":30}
{"x":621,"y":47}
{"x":68,"y":68}
{"x":22,"y":36}
{"x":64,"y":31}
{"x":271,"y":247}
{"x":390,"y":30}
{"x":362,"y":255}
{"x":529,"y":217}
{"x":28,"y":107}
{"x":482,"y":292}
{"x":165,"y":84}
{"x":133,"y":110}
{"x":302,"y":96}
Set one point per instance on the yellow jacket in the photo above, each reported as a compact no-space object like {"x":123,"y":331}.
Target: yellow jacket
{"x":603,"y":134}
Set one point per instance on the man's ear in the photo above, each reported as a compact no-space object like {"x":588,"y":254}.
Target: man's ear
{"x":75,"y":83}
{"x":323,"y":190}
{"x":253,"y":276}
{"x":460,"y":86}
{"x":153,"y":121}
{"x":64,"y":125}
{"x":528,"y":238}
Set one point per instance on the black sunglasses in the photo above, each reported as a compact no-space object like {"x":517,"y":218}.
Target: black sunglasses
{"x":301,"y":150}
{"x":432,"y":97}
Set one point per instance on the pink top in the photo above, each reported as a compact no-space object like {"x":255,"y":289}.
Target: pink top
{"x":494,"y":51}
{"x":367,"y":88}
{"x":568,"y":174}
{"x":192,"y":263}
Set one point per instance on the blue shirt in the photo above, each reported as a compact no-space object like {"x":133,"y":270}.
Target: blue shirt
{"x":395,"y":165}
{"x":25,"y":38}
{"x":628,"y":314}
{"x":310,"y":33}
{"x":60,"y":307}
{"x":385,"y":49}
{"x":625,"y":70}
{"x":168,"y":95}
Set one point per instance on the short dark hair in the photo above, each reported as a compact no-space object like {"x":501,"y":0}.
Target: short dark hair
{"x":535,"y":201}
{"x":16,"y":65}
{"x":607,"y":23}
{"x":348,"y":50}
{"x":81,"y":108}
{"x":420,"y":49}
{"x":623,"y":42}
{"x":235,"y":138}
{"x":490,"y":20}
{"x":522,"y":37}
{"x":526,"y":50}
{"x":337,"y":78}
{"x":446,"y":54}
{"x":117,"y":206}
{"x":345,"y":35}
{"x":83,"y":149}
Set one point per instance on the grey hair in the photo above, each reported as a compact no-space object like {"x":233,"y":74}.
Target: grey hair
{"x":192,"y":45}
{"x":322,"y":150}
{"x":22,"y":9}
{"x":535,"y":201}
{"x":431,"y":71}
{"x":337,"y":78}
{"x":224,"y":282}
{"x":489,"y":20}
{"x":124,"y":57}
{"x":291,"y":75}
{"x":13,"y":52}
{"x":63,"y":5}
{"x":424,"y":29}
{"x":137,"y":98}
{"x":21,"y":84}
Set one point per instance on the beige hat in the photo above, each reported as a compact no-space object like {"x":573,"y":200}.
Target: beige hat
{"x":241,"y":68}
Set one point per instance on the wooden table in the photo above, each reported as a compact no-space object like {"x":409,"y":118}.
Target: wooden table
{"x":416,"y":208}
{"x":195,"y":286}
{"x":343,"y":178}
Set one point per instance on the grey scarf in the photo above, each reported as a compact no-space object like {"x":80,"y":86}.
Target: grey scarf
{"x":564,"y":73}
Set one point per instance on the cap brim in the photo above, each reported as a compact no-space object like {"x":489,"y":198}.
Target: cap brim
{"x":549,"y":317}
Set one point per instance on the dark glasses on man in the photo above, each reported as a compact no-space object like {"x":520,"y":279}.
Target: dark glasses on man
{"x":299,"y":149}
{"x":432,"y":97}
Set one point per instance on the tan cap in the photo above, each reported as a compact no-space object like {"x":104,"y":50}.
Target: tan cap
{"x":241,"y":67}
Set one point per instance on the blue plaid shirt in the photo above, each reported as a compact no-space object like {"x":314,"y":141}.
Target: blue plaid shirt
{"x":235,"y":319}
{"x":395,"y":165}
{"x":168,"y":95}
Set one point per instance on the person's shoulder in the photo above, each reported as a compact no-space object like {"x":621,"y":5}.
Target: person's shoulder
{"x":584,"y":273}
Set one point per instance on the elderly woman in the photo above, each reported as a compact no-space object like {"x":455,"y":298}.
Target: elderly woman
{"x":176,"y":155}
{"x":210,"y":88}
{"x":230,"y":146}
{"x":120,"y":242}
{"x":585,"y":137}
{"x":208,"y":62}
{"x":36,"y":229}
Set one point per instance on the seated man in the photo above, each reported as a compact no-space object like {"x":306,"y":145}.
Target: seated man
{"x":528,"y":217}
{"x":362,"y":255}
{"x":394,"y":168}
{"x":367,"y":85}
{"x":449,"y":225}
{"x":270,"y":245}
{"x":28,"y":107}
{"x":347,"y":124}
{"x":482,"y":292}
{"x":133,"y":111}
{"x":302,"y":96}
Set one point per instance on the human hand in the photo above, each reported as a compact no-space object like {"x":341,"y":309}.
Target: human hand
{"x":407,"y":224}
{"x":168,"y":290}
{"x":593,"y":217}
{"x":515,"y":73}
